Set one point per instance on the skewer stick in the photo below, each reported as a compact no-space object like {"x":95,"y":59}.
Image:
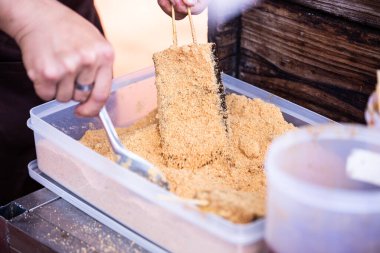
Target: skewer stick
{"x":378,"y":90}
{"x":197,"y":202}
{"x":192,"y":26}
{"x":175,"y":40}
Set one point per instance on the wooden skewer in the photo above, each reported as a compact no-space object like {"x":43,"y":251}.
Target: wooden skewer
{"x":175,"y":40}
{"x":192,"y":26}
{"x":378,"y":90}
{"x":198,"y":202}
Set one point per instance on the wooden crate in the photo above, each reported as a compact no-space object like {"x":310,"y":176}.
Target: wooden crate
{"x":319,"y":54}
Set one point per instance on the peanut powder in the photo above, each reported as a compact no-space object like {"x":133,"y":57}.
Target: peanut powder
{"x":191,"y":118}
{"x":235,"y":191}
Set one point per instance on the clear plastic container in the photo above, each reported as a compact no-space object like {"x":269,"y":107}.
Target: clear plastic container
{"x":312,"y":204}
{"x":129,"y":198}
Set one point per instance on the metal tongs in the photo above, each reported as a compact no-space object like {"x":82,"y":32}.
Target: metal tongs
{"x":128,"y":159}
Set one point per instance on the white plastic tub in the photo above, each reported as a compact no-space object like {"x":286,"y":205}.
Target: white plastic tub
{"x":125,"y":196}
{"x":312,"y":205}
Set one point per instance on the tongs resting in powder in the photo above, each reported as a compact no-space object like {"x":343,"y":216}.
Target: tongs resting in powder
{"x":128,"y":159}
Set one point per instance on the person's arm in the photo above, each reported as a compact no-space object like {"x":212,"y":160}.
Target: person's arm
{"x":60,"y":48}
{"x":180,"y":6}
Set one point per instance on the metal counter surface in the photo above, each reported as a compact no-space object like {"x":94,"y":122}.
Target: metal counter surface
{"x":44,"y":222}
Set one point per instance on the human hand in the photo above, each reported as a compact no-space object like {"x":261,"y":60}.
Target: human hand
{"x":60,"y":49}
{"x":180,"y":6}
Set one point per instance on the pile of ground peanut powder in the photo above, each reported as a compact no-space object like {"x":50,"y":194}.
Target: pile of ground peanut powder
{"x":233,"y":187}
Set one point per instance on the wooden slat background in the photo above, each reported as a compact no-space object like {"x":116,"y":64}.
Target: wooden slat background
{"x":226,"y":35}
{"x":362,"y":11}
{"x":318,"y":60}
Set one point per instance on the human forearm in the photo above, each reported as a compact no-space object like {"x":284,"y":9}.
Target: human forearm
{"x":17,"y":15}
{"x":8,"y":15}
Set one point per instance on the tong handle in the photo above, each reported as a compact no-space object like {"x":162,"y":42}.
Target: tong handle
{"x":126,"y":158}
{"x":113,"y":138}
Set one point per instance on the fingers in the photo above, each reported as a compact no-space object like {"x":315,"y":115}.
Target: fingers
{"x":61,"y":48}
{"x":166,"y":6}
{"x":65,"y":88}
{"x":102,"y":80}
{"x":46,"y":91}
{"x":86,"y":78}
{"x":45,"y":78}
{"x":180,"y":6}
{"x":59,"y":80}
{"x":99,"y":94}
{"x":180,"y":9}
{"x":199,"y":7}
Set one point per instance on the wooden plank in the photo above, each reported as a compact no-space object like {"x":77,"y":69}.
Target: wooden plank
{"x":4,"y":245}
{"x":226,"y":36}
{"x":362,"y":11}
{"x":321,"y":62}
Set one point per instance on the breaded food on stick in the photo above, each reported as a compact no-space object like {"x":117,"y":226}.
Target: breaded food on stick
{"x":192,"y":113}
